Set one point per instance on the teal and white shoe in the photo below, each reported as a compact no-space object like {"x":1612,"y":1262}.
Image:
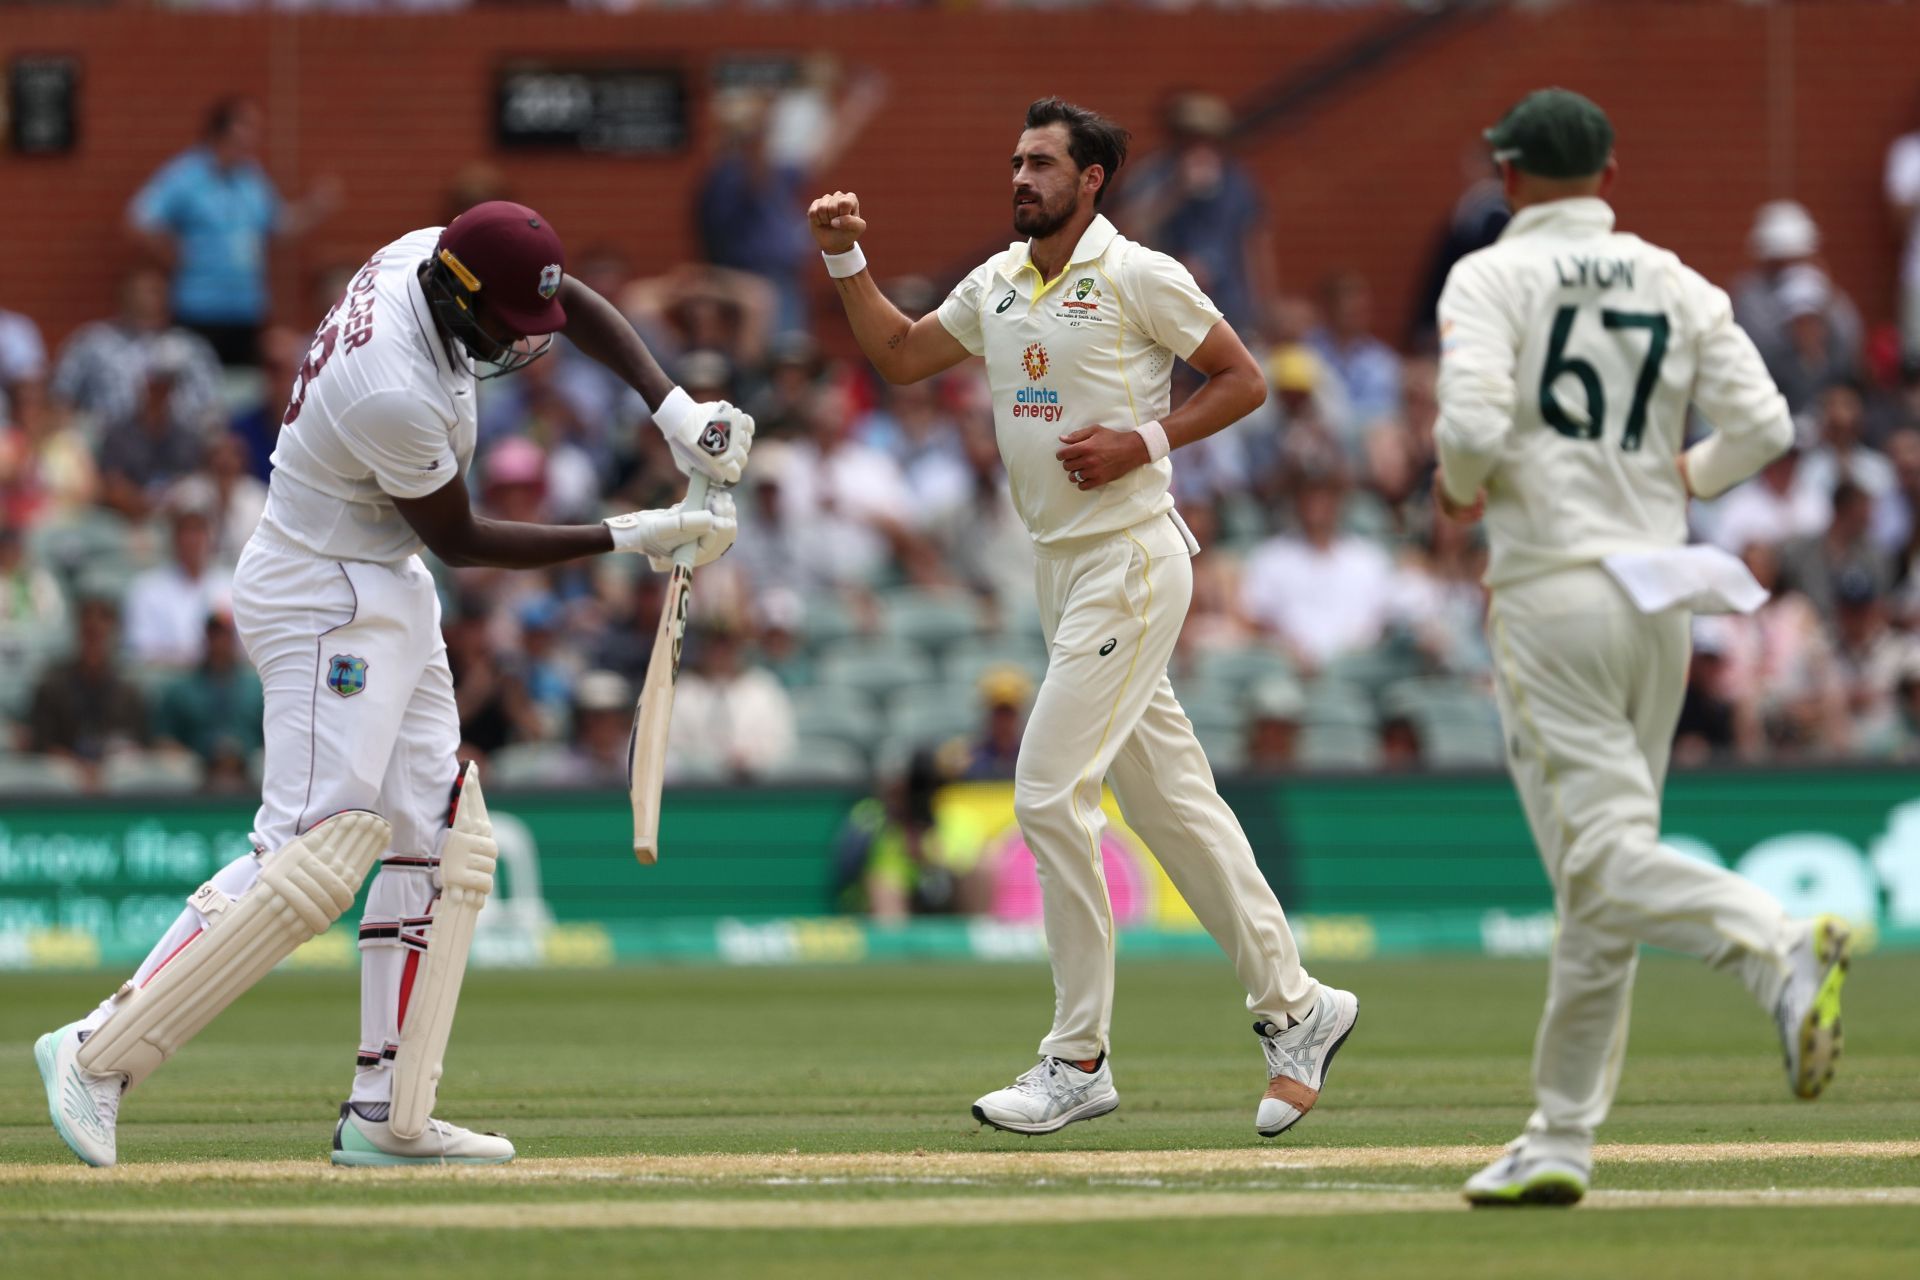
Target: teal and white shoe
{"x":84,"y":1106}
{"x":1517,"y":1178}
{"x":362,"y":1138}
{"x":1808,"y":1013}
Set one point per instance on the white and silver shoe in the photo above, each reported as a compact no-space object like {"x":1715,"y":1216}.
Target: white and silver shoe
{"x":1298,"y":1058}
{"x":1517,"y":1178}
{"x":1049,"y":1098}
{"x":1808,"y":1013}
{"x":362,"y":1138}
{"x":84,"y":1105}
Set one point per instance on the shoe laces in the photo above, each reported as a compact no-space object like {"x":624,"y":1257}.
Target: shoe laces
{"x":1042,"y":1080}
{"x":1280,"y":1060}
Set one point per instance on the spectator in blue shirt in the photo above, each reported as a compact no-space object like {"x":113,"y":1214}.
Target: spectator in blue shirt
{"x":207,"y":215}
{"x":1368,"y":369}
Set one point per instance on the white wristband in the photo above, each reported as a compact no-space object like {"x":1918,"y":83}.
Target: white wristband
{"x":674,"y":410}
{"x":1156,"y":437}
{"x":842,"y":265}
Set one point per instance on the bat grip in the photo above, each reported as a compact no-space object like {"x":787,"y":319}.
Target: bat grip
{"x":696,"y":500}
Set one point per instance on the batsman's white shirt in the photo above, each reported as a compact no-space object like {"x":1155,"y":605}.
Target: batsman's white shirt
{"x":1094,"y":346}
{"x":1569,"y":355}
{"x":379,"y":410}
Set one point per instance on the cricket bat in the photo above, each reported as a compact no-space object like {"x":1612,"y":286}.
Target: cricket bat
{"x":653,"y":713}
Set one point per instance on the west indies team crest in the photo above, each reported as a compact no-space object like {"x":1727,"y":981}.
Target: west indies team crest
{"x":346,"y":674}
{"x":550,"y":279}
{"x":1034,"y":359}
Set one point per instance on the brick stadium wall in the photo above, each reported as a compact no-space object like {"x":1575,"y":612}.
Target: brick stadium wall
{"x":1719,"y":107}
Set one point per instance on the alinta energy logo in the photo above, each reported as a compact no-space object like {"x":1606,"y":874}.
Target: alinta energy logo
{"x":1034,"y":360}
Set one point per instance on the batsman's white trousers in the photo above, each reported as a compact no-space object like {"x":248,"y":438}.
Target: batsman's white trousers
{"x":359,"y":715}
{"x":1111,"y":612}
{"x":1590,"y":691}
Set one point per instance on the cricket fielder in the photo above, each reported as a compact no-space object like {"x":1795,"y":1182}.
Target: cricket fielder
{"x":340,"y":617}
{"x":1080,"y":328}
{"x":1569,"y":356}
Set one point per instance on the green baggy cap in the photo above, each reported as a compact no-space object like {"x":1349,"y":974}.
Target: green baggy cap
{"x":1554,"y":133}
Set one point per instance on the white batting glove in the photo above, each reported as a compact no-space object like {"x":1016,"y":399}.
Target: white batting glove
{"x":712,"y":544}
{"x":655,"y":534}
{"x":712,"y":438}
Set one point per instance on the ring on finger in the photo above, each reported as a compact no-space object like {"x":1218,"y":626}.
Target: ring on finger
{"x":1078,"y":478}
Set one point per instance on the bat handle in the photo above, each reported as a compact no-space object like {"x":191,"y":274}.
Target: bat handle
{"x":696,"y":500}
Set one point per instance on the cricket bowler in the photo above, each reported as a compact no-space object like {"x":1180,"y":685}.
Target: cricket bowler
{"x":1569,"y":356}
{"x":340,"y":616}
{"x":1080,"y":328}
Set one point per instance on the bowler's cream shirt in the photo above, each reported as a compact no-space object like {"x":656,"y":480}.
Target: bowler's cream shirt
{"x":1094,"y":346}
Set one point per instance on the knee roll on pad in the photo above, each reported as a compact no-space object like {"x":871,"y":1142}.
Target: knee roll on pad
{"x":303,"y":888}
{"x":467,"y":858}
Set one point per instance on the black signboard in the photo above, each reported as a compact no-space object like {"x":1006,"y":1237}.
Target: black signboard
{"x":624,"y":110}
{"x":42,"y":93}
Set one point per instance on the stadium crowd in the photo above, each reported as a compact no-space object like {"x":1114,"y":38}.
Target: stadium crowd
{"x":877,"y":602}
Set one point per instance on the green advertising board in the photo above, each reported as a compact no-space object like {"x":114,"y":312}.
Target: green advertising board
{"x":1365,"y":865}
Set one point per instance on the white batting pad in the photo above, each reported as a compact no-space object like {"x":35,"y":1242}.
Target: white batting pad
{"x":303,"y":888}
{"x":466,"y":878}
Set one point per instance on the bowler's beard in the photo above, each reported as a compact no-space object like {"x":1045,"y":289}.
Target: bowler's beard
{"x":1039,"y":222}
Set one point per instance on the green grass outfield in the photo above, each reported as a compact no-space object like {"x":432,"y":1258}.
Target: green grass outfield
{"x":813,"y":1122}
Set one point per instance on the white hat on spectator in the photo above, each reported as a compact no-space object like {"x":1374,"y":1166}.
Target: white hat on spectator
{"x":1277,"y":698}
{"x":1710,"y":638}
{"x":1783,"y":229}
{"x":603,"y":691}
{"x":1803,"y":291}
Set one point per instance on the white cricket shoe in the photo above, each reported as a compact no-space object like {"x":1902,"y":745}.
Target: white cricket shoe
{"x":1298,"y":1059}
{"x":1808,"y":1013}
{"x":84,"y":1105}
{"x":1517,"y":1178}
{"x":361,"y":1139}
{"x":1049,"y":1098}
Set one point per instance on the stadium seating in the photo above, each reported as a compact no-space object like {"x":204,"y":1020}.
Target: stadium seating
{"x":22,"y":776}
{"x":169,"y":772}
{"x":878,"y":665}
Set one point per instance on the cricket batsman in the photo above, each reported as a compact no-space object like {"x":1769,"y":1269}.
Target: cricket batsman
{"x":1080,"y":328}
{"x":340,"y":617}
{"x":1569,"y":356}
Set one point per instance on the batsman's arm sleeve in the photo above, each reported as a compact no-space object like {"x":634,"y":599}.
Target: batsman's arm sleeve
{"x":1479,"y":346}
{"x":1733,"y":391}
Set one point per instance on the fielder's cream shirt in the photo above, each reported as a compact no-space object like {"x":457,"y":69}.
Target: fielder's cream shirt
{"x":1094,"y":346}
{"x":1569,"y":353}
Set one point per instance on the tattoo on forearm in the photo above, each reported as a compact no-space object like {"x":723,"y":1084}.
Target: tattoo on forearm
{"x":896,"y":340}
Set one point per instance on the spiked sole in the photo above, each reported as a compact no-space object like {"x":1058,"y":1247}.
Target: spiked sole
{"x":1085,"y":1111}
{"x":1559,"y":1189}
{"x":1819,"y":1034}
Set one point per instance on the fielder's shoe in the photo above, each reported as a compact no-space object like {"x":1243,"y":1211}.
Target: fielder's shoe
{"x":363,"y":1138}
{"x":1049,"y":1098}
{"x":1809,"y":1010}
{"x":1298,"y":1058}
{"x":84,"y":1106}
{"x":1517,"y":1178}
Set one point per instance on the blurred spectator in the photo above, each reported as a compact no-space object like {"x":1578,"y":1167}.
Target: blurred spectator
{"x":1005,"y":692}
{"x":533,"y":428}
{"x":1840,"y":412}
{"x":84,"y":707}
{"x":30,"y":597}
{"x":1368,"y":369}
{"x":1316,"y":427}
{"x":891,"y":859}
{"x":1894,"y":523}
{"x":602,"y":724}
{"x":168,"y":605}
{"x":1903,"y":203}
{"x":982,"y":538}
{"x":1787,"y":285}
{"x":699,"y":307}
{"x":258,"y":426}
{"x":1401,"y":747}
{"x":546,"y":670}
{"x":1771,"y":508}
{"x":1435,"y":598}
{"x":1814,"y":565}
{"x":912,"y":427}
{"x":214,"y":710}
{"x":102,"y":371}
{"x":782,"y":646}
{"x":208,"y":214}
{"x":1903,"y":738}
{"x":1872,"y":658}
{"x":625,"y":645}
{"x":1199,"y":204}
{"x":23,"y":369}
{"x":1780,"y":662}
{"x":1713,"y":725}
{"x":851,"y":499}
{"x":142,"y":456}
{"x":514,"y":482}
{"x":734,"y":719}
{"x":1811,"y":353}
{"x":234,"y":498}
{"x":752,"y":201}
{"x":1478,"y":218}
{"x":1320,"y":593}
{"x":1274,"y":708}
{"x":494,"y":707}
{"x":779,"y":409}
{"x":1399,"y":453}
{"x":475,"y":182}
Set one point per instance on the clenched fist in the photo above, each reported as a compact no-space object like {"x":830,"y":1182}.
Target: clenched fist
{"x":836,"y":222}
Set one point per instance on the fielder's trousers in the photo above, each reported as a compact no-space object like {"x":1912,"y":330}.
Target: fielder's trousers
{"x":1111,"y":612}
{"x":1590,"y":691}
